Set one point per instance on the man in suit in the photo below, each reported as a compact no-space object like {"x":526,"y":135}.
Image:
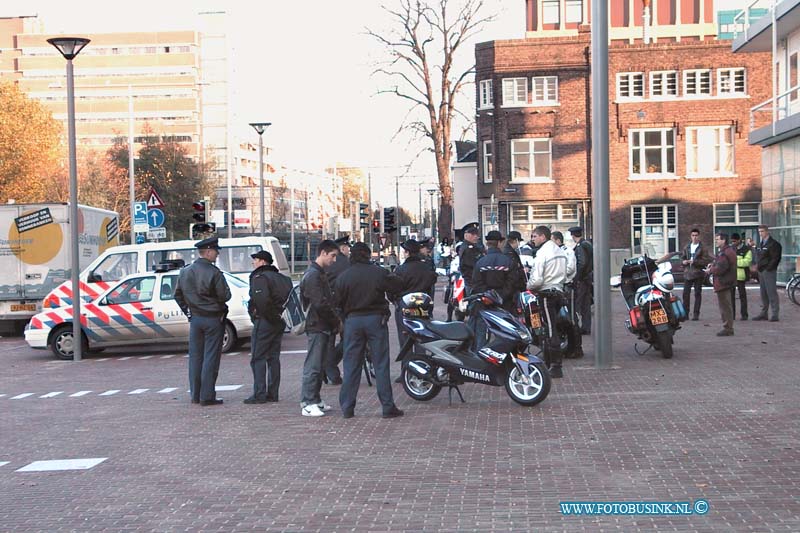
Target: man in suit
{"x":695,"y":259}
{"x":768,"y":257}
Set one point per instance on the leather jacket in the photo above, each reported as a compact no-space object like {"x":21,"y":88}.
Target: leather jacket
{"x":268,"y":291}
{"x":202,"y":290}
{"x":701,"y":258}
{"x":417,"y":276}
{"x":317,"y":295}
{"x":497,"y":271}
{"x":361,"y":290}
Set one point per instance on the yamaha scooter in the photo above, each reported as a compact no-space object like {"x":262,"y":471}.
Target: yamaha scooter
{"x":454,"y":356}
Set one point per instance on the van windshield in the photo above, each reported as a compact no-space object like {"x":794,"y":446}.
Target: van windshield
{"x":233,"y":259}
{"x":115,"y":267}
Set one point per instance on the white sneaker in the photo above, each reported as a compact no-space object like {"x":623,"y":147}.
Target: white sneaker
{"x":312,"y":410}
{"x":324,"y":406}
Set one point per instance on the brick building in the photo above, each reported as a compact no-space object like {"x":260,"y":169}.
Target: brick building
{"x":678,"y":124}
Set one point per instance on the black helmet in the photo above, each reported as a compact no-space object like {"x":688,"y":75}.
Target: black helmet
{"x":416,"y":305}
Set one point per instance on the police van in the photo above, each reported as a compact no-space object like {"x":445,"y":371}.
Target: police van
{"x":120,"y":261}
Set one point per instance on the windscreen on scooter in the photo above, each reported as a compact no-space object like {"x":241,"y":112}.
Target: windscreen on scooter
{"x":636,"y":273}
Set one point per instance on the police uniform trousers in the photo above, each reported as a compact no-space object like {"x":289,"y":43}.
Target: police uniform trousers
{"x":583,"y":304}
{"x":265,"y":358}
{"x":360,"y":330}
{"x":205,"y":348}
{"x":577,"y":352}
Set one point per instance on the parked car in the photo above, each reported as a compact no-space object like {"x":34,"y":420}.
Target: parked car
{"x":140,"y":309}
{"x":676,"y":264}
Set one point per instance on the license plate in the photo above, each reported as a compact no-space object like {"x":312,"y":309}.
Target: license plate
{"x":23,"y":307}
{"x":658,"y":316}
{"x":536,"y":320}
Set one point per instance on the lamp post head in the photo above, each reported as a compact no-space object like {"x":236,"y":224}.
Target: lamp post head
{"x":432,"y":191}
{"x":260,"y":126}
{"x":69,"y":46}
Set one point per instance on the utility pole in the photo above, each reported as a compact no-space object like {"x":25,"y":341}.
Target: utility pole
{"x":421,"y":219}
{"x":371,"y":211}
{"x":397,"y":222}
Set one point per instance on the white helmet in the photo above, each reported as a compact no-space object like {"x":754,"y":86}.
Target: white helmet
{"x":664,"y":281}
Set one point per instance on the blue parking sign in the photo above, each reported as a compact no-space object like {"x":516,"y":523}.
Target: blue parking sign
{"x":140,"y":212}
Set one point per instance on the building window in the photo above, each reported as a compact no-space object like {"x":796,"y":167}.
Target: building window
{"x":515,"y":91}
{"x":696,"y":82}
{"x":731,"y":81}
{"x":489,"y":219}
{"x":551,"y":11}
{"x":486,"y":96}
{"x":630,"y":85}
{"x":664,"y":84}
{"x":545,"y":90}
{"x":654,"y":229}
{"x":488,"y":168}
{"x":746,"y":213}
{"x":531,"y":160}
{"x":793,"y":78}
{"x":574,"y":11}
{"x":525,"y":217}
{"x":709,"y":151}
{"x":652,"y":153}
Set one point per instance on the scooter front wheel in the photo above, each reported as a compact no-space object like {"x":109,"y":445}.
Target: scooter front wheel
{"x":531,"y":390}
{"x":418,"y":388}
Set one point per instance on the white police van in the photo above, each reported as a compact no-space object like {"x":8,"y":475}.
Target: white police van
{"x":120,"y":261}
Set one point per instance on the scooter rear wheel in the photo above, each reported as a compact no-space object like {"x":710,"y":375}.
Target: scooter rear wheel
{"x":531,"y":391}
{"x":665,"y":343}
{"x":419,"y":389}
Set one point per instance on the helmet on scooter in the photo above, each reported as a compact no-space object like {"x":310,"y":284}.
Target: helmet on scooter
{"x":416,"y":305}
{"x":664,"y":280}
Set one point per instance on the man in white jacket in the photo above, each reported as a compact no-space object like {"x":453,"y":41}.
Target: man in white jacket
{"x":547,"y":277}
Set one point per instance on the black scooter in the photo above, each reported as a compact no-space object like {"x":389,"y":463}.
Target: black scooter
{"x":451,"y":358}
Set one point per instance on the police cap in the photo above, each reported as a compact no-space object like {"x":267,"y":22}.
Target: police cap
{"x":411,"y":246}
{"x":264,"y":255}
{"x":494,"y":235}
{"x":211,"y":243}
{"x":343,"y":240}
{"x":576,"y":230}
{"x":515,"y":235}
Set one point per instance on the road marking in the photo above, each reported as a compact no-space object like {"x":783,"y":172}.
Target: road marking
{"x":51,"y":394}
{"x":295,"y":351}
{"x":1,"y":395}
{"x":4,"y":463}
{"x":167,"y":356}
{"x":228,"y":387}
{"x":80,"y":393}
{"x":167,"y":390}
{"x":109,"y":392}
{"x":124,"y":358}
{"x":145,"y":357}
{"x":62,"y":464}
{"x":185,"y":356}
{"x":21,"y":396}
{"x":101,"y":360}
{"x":138,"y":391}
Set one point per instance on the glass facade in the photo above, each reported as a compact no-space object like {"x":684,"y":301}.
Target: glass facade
{"x":780,"y":208}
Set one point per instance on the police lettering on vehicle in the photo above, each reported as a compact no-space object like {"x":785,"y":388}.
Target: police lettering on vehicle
{"x":474,"y":375}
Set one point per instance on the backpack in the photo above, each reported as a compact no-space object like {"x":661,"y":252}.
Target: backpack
{"x":295,"y":312}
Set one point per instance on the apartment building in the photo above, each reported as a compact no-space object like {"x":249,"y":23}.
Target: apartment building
{"x":678,"y":125}
{"x":775,"y":118}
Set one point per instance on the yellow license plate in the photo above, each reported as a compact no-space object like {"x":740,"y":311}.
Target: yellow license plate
{"x":658,"y":316}
{"x":536,"y":321}
{"x":23,"y":307}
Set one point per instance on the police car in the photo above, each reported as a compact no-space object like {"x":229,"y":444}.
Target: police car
{"x":139,"y":309}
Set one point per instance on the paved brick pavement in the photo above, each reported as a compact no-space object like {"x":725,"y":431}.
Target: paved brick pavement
{"x":717,"y":422}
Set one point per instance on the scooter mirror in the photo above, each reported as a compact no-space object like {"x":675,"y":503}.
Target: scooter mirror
{"x":616,"y":281}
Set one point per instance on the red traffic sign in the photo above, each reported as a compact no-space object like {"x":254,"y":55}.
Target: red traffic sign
{"x":154,"y":200}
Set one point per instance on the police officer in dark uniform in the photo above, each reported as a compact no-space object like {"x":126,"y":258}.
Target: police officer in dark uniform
{"x":360,"y":294}
{"x":584,"y":278}
{"x":469,"y":254}
{"x":201,"y":293}
{"x":425,"y":253}
{"x":268,"y":292}
{"x":333,"y":356}
{"x":511,"y":249}
{"x":497,"y":271}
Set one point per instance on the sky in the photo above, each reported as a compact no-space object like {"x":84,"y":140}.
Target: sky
{"x":305,"y":66}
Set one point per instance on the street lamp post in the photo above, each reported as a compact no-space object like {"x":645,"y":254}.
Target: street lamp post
{"x":260,"y":127}
{"x":70,"y":47}
{"x":433,"y":216}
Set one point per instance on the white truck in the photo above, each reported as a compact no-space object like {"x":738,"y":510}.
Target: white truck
{"x":35,"y":252}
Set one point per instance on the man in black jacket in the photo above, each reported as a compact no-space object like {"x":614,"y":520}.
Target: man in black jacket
{"x":768,"y":257}
{"x":201,"y":293}
{"x":468,"y":255}
{"x":584,"y":278}
{"x":695,"y":259}
{"x":268,"y":292}
{"x":360,"y":293}
{"x":511,"y":249}
{"x":322,"y":323}
{"x":497,"y":271}
{"x":330,"y":364}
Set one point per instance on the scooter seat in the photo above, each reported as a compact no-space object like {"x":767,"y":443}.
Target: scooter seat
{"x":456,"y":331}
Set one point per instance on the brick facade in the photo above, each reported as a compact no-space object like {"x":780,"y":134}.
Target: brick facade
{"x":568,"y":125}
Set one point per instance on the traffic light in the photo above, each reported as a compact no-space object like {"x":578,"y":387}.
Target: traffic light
{"x":389,"y":222}
{"x":199,"y":211}
{"x":363,"y":215}
{"x":376,"y":226}
{"x":202,"y":230}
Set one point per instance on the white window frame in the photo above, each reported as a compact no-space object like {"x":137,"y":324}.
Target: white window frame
{"x":486,"y":96}
{"x":549,"y":7}
{"x":661,"y":79}
{"x":731,"y":74}
{"x":669,"y":229}
{"x":696,"y":76}
{"x":549,"y":84}
{"x":723,"y":151}
{"x":532,"y":160}
{"x":737,"y":217}
{"x":511,"y":87}
{"x":488,"y":213}
{"x":488,"y":163}
{"x":628,"y":80}
{"x":573,"y":11}
{"x":665,"y":146}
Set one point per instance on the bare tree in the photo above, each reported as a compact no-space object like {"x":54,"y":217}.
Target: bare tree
{"x":423,"y":46}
